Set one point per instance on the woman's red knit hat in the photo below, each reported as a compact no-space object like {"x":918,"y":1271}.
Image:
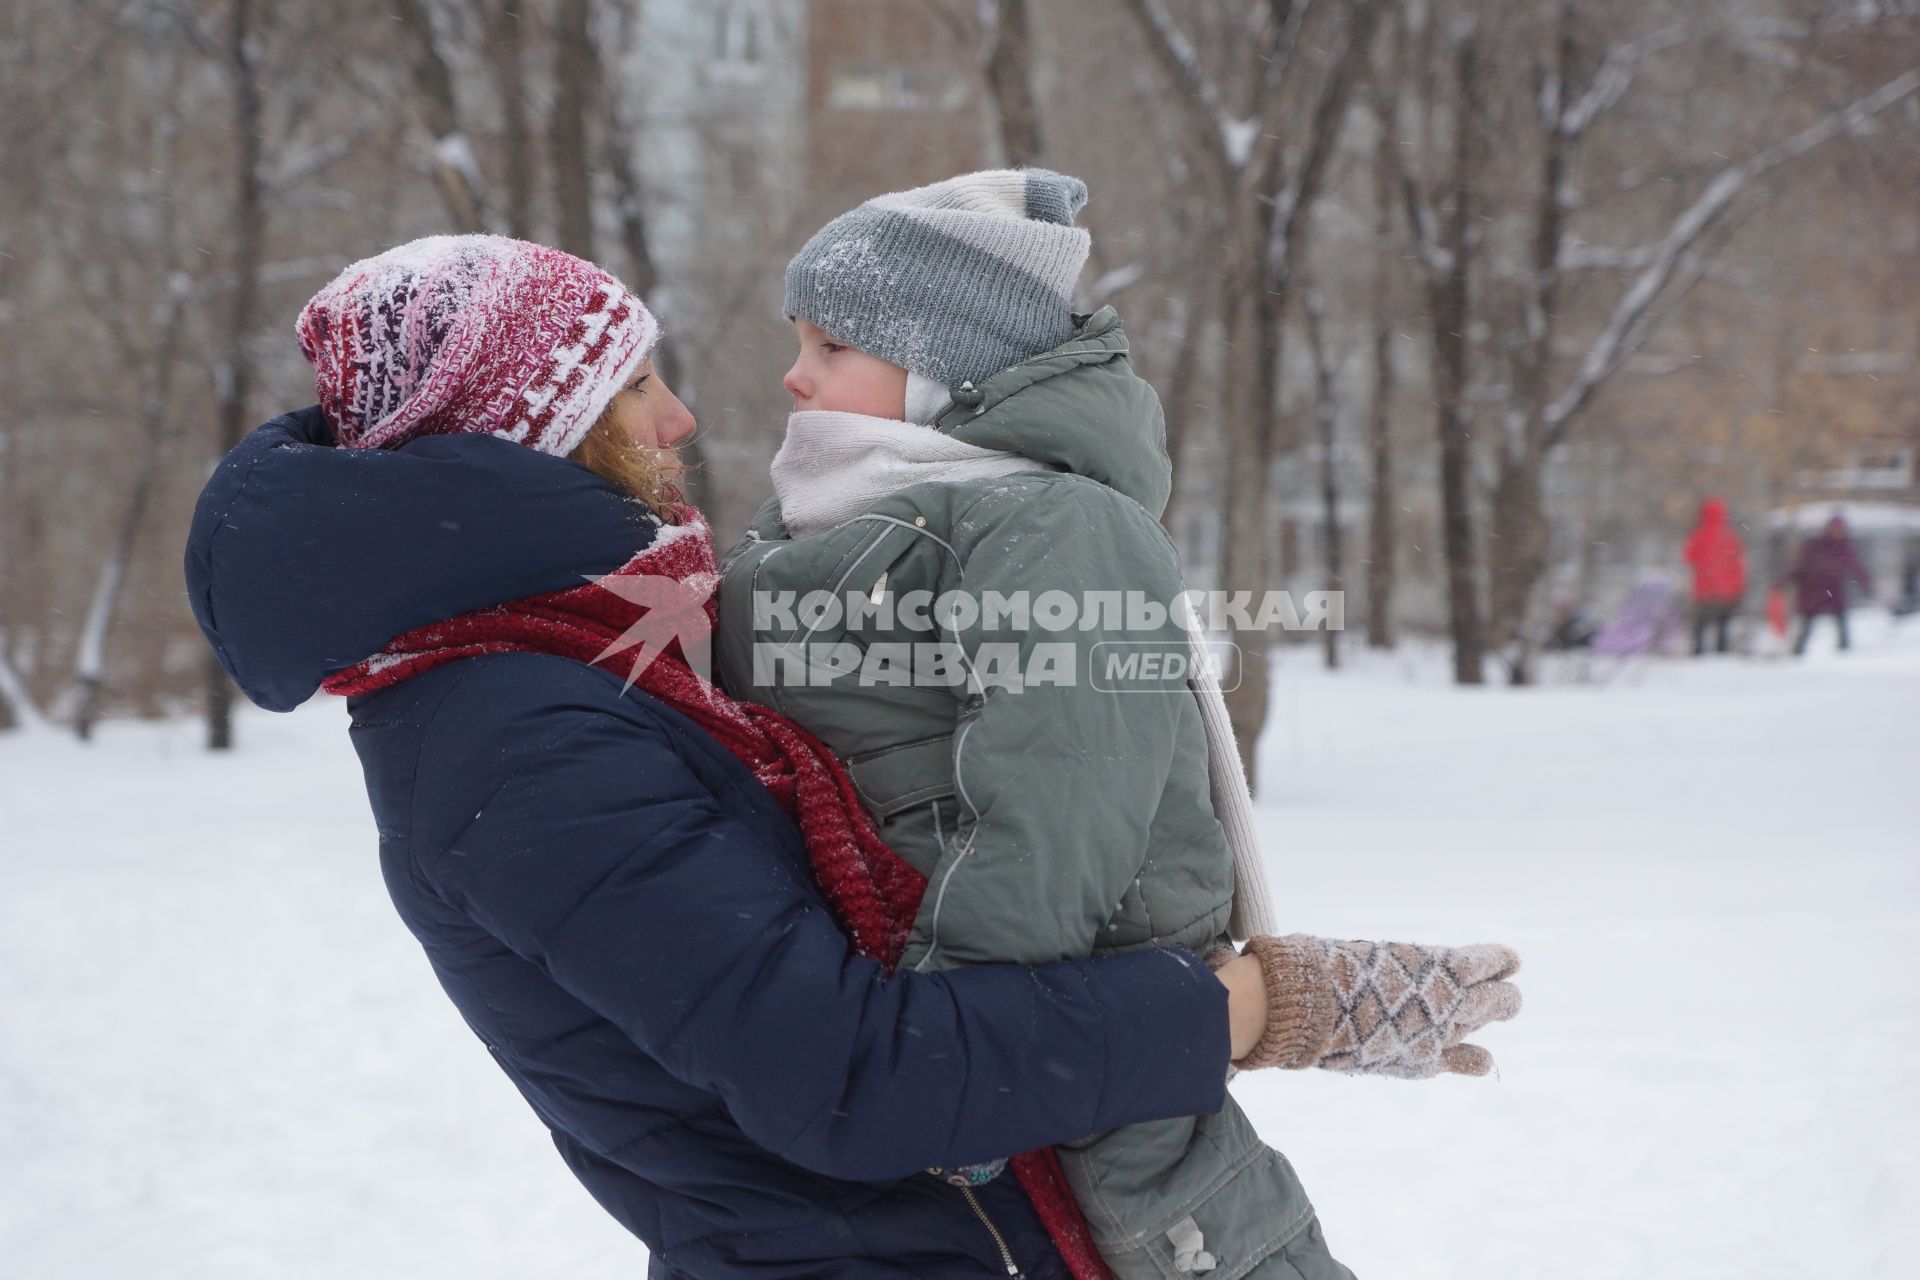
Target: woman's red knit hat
{"x":472,"y":335}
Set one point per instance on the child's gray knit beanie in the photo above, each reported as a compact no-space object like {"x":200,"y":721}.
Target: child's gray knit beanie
{"x":954,"y":281}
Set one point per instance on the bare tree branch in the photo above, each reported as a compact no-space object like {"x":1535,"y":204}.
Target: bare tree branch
{"x":1281,"y":38}
{"x":949,"y":15}
{"x":1423,"y":222}
{"x":1611,"y":346}
{"x":1009,"y":75}
{"x":90,"y":660}
{"x":1612,"y":80}
{"x":1326,"y":413}
{"x":299,"y":170}
{"x":1177,"y":57}
{"x":1323,"y":136}
{"x":576,"y":78}
{"x":456,"y":172}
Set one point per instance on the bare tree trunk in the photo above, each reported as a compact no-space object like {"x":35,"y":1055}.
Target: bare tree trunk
{"x":643,"y":274}
{"x":508,"y":47}
{"x":455,"y":171}
{"x":90,"y":665}
{"x":17,"y":708}
{"x":1326,"y":412}
{"x":11,"y":495}
{"x":1176,"y":390}
{"x":1452,"y":314}
{"x":1456,"y":498}
{"x":1246,"y":526}
{"x":576,"y":79}
{"x":1383,"y":515}
{"x":249,"y":230}
{"x":1519,"y":559}
{"x":1283,"y":221}
{"x":1518,"y":553}
{"x":1009,"y":76}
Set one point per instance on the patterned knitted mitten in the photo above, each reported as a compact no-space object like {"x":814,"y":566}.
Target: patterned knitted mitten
{"x":1381,"y":1008}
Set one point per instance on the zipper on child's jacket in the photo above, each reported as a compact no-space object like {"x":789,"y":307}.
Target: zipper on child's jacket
{"x":1000,"y":1241}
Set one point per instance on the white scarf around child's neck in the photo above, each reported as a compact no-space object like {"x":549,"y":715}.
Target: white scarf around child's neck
{"x":835,"y":466}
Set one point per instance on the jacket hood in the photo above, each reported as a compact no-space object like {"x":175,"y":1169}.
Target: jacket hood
{"x":1713,"y":511}
{"x":1079,"y":407}
{"x":304,"y":558}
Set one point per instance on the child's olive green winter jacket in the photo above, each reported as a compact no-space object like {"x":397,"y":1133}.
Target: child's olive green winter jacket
{"x":1055,"y":795}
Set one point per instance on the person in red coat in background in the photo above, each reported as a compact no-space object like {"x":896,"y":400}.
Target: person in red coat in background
{"x":1719,"y":566}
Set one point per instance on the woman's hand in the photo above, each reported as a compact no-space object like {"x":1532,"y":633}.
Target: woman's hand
{"x":1247,"y":1001}
{"x":1392,"y":1009}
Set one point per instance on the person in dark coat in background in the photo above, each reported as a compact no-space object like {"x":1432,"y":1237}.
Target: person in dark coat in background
{"x":1719,"y":565}
{"x":1826,"y":565}
{"x":624,"y":912}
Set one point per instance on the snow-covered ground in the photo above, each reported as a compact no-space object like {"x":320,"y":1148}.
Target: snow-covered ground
{"x":221,"y":1056}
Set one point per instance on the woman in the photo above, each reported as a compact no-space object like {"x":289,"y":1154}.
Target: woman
{"x":621,"y":906}
{"x":1823,"y":570}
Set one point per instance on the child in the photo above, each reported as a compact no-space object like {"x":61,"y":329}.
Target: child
{"x":966,"y":521}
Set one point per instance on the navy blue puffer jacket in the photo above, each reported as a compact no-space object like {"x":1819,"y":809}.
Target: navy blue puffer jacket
{"x":627,"y":920}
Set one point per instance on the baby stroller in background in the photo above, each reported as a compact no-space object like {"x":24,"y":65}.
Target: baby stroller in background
{"x":1648,"y":622}
{"x":1651,"y":621}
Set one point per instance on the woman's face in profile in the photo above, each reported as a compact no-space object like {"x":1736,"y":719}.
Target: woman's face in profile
{"x":649,"y":416}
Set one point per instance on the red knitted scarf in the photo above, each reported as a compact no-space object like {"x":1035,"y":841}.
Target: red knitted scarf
{"x":873,"y":891}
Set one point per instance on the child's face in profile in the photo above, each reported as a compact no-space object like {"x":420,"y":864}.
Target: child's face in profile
{"x":834,"y":376}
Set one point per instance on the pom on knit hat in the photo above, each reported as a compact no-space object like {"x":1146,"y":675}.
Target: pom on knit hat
{"x":954,"y":281}
{"x":472,"y":335}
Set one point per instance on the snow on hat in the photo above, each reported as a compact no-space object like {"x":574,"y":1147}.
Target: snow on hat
{"x":954,"y":281}
{"x":478,"y":335}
